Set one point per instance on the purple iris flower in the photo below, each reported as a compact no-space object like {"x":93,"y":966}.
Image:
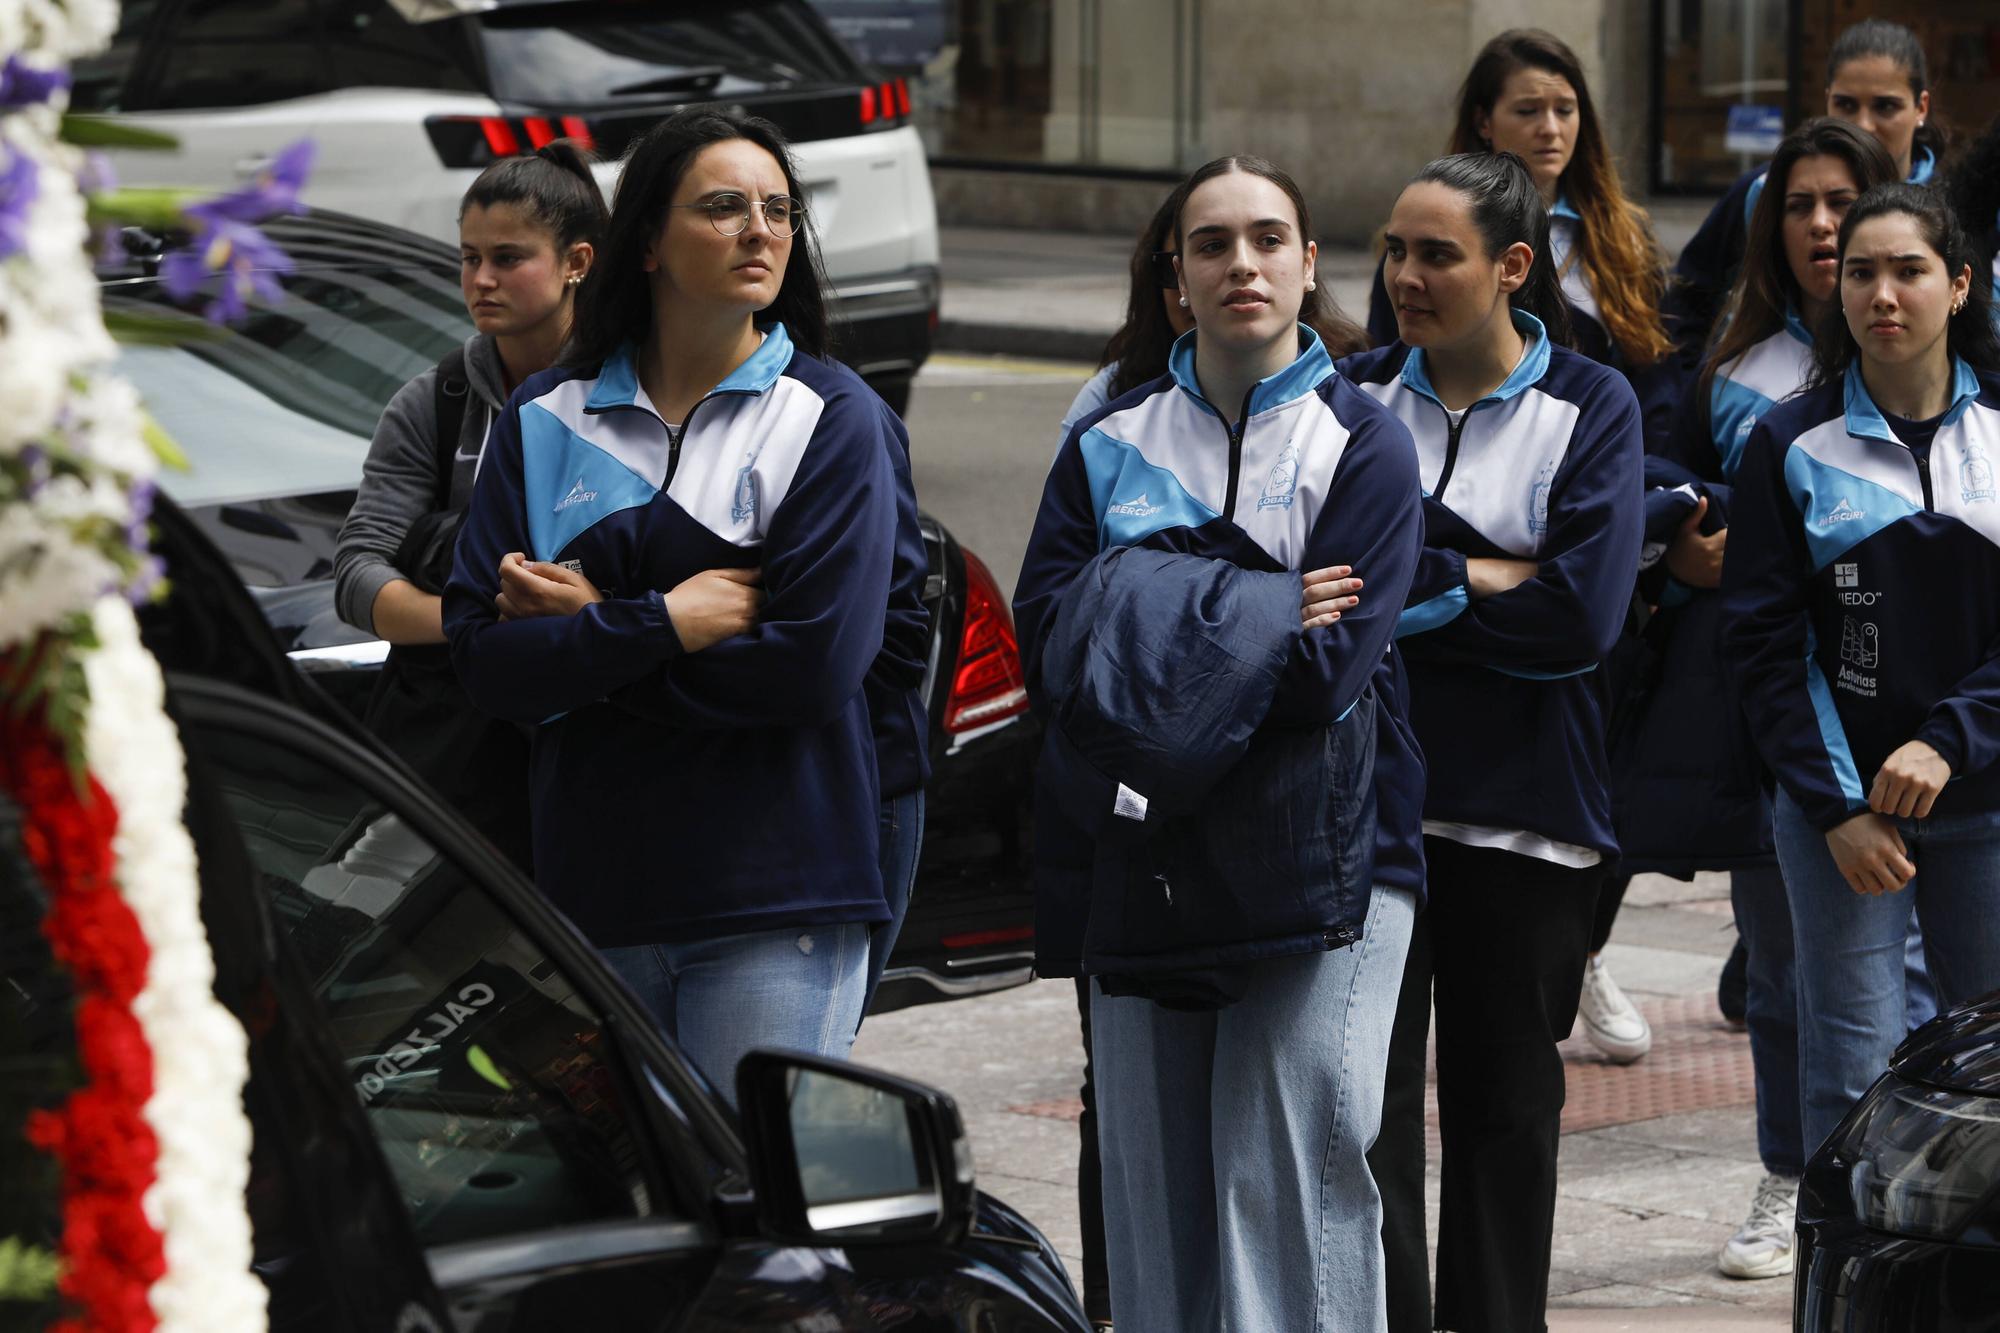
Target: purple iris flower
{"x":20,"y":185}
{"x":244,"y":257}
{"x":275,"y":189}
{"x":24,"y":85}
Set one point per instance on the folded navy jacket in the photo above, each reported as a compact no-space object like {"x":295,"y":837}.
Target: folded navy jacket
{"x":1213,"y":837}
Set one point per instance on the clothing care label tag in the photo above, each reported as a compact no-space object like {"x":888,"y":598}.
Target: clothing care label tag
{"x":1129,"y":805}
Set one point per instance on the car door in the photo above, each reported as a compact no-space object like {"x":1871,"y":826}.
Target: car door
{"x":551,"y":1155}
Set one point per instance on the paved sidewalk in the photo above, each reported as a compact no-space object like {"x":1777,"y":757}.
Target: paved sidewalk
{"x":1061,"y":294}
{"x":1658,"y":1159}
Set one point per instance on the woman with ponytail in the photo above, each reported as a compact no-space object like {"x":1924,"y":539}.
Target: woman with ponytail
{"x":528,"y":231}
{"x":1530,"y":456}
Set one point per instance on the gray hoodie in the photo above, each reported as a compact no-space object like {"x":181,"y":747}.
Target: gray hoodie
{"x":399,"y":480}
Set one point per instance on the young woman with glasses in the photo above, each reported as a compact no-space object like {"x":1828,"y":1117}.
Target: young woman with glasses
{"x":676,"y":565}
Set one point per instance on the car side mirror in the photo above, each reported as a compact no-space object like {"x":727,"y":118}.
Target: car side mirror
{"x":844,"y":1155}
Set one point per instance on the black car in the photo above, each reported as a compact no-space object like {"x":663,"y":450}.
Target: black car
{"x":275,"y":414}
{"x":461,"y":1119}
{"x":1899,"y":1211}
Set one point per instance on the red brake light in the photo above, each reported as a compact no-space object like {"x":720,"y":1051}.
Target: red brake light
{"x":577,"y":128}
{"x":868,"y":106}
{"x":499,"y":136}
{"x":540,"y":133}
{"x":989,"y":684}
{"x":902,"y":97}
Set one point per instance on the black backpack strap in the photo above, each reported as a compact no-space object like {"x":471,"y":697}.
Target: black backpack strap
{"x":448,"y":397}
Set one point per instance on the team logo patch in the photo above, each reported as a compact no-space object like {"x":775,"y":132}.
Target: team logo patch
{"x":1847,"y":576}
{"x":1138,"y":508}
{"x":744,"y":507}
{"x":1283,"y":484}
{"x":1843,"y":511}
{"x":577,"y":496}
{"x":1975,"y":477}
{"x":1538,"y":503}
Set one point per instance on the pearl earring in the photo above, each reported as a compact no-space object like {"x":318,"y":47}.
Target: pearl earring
{"x":1183,"y":303}
{"x":573,"y":279}
{"x":1311,"y":285}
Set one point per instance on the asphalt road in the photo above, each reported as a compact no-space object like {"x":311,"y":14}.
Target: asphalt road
{"x":982,"y":432}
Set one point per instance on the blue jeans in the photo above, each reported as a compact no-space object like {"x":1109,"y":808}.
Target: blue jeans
{"x":798,"y":989}
{"x":902,"y":840}
{"x":1771,"y":1011}
{"x":1237,"y":1193}
{"x":1851,"y":946}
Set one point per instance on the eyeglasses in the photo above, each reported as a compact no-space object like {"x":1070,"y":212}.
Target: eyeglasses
{"x":730,"y":213}
{"x":1163,"y":268}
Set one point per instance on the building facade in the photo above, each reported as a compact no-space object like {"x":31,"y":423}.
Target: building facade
{"x":1075,"y":113}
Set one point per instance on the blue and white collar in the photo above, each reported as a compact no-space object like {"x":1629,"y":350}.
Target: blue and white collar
{"x":1563,"y":208}
{"x":1301,"y":377}
{"x":1865,"y":421}
{"x":618,"y":380}
{"x":1796,"y":326}
{"x":1534,"y":364}
{"x":1923,"y":164}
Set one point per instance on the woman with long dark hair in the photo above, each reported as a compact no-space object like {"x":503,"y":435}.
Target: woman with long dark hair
{"x":1974,"y":191}
{"x":1691,"y":791}
{"x":677,"y":566}
{"x":1871,"y":679}
{"x":528,"y":229}
{"x":1531,"y":459}
{"x":1877,"y":80}
{"x":1208,"y":804}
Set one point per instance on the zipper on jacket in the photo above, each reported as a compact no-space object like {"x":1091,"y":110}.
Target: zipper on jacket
{"x":1923,"y":461}
{"x":1236,"y":459}
{"x":1454,"y":427}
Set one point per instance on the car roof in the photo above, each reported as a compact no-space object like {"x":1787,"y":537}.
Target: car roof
{"x":317,"y":238}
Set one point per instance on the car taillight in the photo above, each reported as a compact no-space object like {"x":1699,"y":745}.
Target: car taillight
{"x":479,"y":141}
{"x":988,"y":685}
{"x":885,"y":105}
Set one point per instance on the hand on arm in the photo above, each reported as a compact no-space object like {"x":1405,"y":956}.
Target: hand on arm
{"x":1694,"y":559}
{"x":1328,"y":592}
{"x":1870,"y":854}
{"x":1909,"y":782}
{"x":531,"y":588}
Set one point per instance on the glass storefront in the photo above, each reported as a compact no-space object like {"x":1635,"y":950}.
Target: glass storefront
{"x":1731,"y":75}
{"x":1105,"y":84}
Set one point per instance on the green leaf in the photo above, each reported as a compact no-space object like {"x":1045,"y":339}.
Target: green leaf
{"x":98,"y":132}
{"x":27,"y":1272}
{"x":155,"y":207}
{"x":162,"y":444}
{"x":166,"y":329}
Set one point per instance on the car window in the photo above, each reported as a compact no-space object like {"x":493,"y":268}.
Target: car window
{"x":606,"y":53}
{"x":102,"y":81}
{"x":220,"y":53}
{"x":373,"y":46}
{"x":285,"y":401}
{"x":489,"y":1081}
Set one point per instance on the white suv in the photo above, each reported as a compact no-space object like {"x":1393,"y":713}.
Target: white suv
{"x":408,"y":99}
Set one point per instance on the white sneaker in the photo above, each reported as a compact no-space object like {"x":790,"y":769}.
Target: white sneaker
{"x":1762,"y":1246}
{"x":1611,"y":1021}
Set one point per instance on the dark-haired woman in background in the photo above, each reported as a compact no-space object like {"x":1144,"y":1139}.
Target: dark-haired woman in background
{"x":528,"y":228}
{"x":677,"y":563}
{"x":1691,"y":789}
{"x":1877,"y":80}
{"x":1870,"y":679}
{"x":1531,"y":460}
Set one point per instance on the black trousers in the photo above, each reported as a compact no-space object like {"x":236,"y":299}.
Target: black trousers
{"x":1501,"y":949}
{"x":1090,"y":1181}
{"x":1610,"y":896}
